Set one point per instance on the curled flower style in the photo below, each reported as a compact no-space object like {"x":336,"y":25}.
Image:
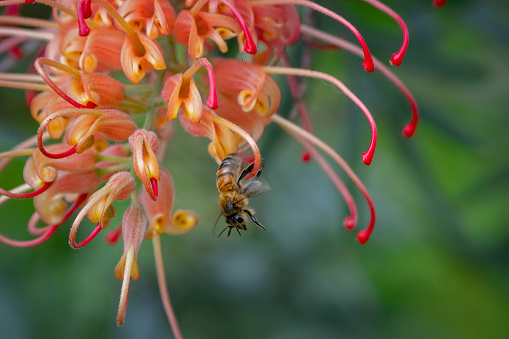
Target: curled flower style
{"x":51,"y":205}
{"x":99,"y":206}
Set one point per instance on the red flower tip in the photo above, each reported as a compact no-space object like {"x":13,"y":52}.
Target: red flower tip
{"x":368,"y":63}
{"x":349,"y":223}
{"x":305,"y":157}
{"x":84,"y":11}
{"x":367,"y":156}
{"x":113,"y":236}
{"x":16,"y":52}
{"x":397,"y":58}
{"x":250,"y":46}
{"x":409,"y":129}
{"x":153,"y":183}
{"x":363,"y":237}
{"x":438,"y":3}
{"x":29,"y":1}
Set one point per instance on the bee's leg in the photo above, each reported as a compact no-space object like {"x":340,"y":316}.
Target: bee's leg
{"x":222,"y":231}
{"x":245,"y":172}
{"x":259,"y":173}
{"x":229,"y":232}
{"x":254,"y":219}
{"x":238,"y":232}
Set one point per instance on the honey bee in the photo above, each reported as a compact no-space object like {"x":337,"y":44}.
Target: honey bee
{"x":234,"y":194}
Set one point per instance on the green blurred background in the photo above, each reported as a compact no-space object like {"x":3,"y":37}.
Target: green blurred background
{"x":435,"y":267}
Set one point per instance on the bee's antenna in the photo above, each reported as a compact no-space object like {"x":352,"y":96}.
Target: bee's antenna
{"x":215,"y":224}
{"x":254,"y":219}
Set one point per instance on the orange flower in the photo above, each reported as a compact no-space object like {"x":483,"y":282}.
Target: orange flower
{"x":180,"y":89}
{"x":135,"y":66}
{"x":192,"y":30}
{"x":247,"y":96}
{"x":155,"y":16}
{"x":159,"y":212}
{"x":100,"y":89}
{"x":143,"y":145}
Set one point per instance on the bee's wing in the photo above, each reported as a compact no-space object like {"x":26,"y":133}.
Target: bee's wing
{"x":255,"y":187}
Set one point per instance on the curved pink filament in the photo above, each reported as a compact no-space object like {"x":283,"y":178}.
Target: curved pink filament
{"x":351,"y":220}
{"x":88,"y":239}
{"x":29,"y":243}
{"x":212,"y":100}
{"x":35,"y":193}
{"x":409,"y":129}
{"x":364,"y":235}
{"x":49,"y":233}
{"x":399,"y":55}
{"x":54,"y":87}
{"x":368,"y":60}
{"x":249,"y":45}
{"x":367,"y":156}
{"x":299,"y":103}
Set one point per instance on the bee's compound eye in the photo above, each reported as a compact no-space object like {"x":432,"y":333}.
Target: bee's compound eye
{"x":238,"y":219}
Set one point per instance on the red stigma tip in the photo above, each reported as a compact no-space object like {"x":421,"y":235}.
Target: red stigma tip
{"x":83,"y":11}
{"x":153,"y":183}
{"x":397,"y":58}
{"x":113,"y":236}
{"x":362,"y":237}
{"x":409,"y":130}
{"x":368,"y":64}
{"x":439,"y":3}
{"x":305,"y":157}
{"x":29,"y":1}
{"x":250,"y":46}
{"x":367,"y":157}
{"x":349,"y":223}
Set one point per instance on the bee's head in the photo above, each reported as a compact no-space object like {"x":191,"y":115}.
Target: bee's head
{"x":237,"y":220}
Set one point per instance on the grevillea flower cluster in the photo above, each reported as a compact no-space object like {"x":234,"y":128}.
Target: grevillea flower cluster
{"x":110,"y":77}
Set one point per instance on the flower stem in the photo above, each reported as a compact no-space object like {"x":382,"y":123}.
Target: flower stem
{"x":163,"y":289}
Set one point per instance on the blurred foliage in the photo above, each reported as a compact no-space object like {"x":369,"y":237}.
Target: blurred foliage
{"x":435,"y":267}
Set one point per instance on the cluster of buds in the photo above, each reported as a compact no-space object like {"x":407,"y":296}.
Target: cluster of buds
{"x":91,"y":151}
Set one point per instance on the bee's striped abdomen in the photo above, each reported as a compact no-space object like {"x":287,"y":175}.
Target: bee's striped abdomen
{"x":228,"y":173}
